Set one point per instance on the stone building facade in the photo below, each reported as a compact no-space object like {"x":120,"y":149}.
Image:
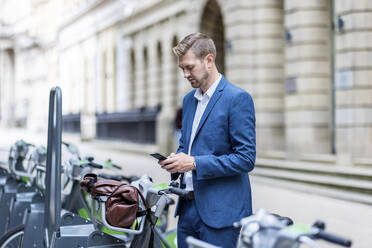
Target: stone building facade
{"x":306,"y":64}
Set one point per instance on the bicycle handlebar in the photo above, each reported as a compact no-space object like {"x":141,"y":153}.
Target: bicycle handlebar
{"x":119,"y":177}
{"x":116,"y":166}
{"x":112,"y":177}
{"x":181,"y":192}
{"x":95,"y":165}
{"x":284,"y":219}
{"x":333,"y":238}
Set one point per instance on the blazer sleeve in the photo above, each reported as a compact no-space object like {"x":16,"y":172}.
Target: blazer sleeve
{"x":181,"y":147}
{"x":243,"y":143}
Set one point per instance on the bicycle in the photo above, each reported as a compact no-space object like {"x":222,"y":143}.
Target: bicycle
{"x":27,"y":232}
{"x":71,"y":230}
{"x":144,"y":229}
{"x":15,"y":184}
{"x":265,"y":230}
{"x":22,"y":192}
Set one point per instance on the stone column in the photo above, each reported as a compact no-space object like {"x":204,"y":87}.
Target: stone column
{"x":99,"y":76}
{"x":308,"y":77}
{"x":7,"y":85}
{"x":88,"y":117}
{"x":123,"y":73}
{"x":152,"y":77}
{"x":110,"y":83}
{"x":139,"y":89}
{"x":353,"y":85}
{"x":255,"y":62}
{"x":164,"y":129}
{"x":268,"y":64}
{"x":91,"y":91}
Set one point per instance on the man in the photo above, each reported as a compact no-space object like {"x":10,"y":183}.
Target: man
{"x":217,"y":148}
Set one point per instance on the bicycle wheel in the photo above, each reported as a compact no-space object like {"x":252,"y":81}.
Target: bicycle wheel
{"x":13,"y":238}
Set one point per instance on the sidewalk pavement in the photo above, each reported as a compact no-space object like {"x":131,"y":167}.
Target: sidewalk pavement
{"x":349,"y":219}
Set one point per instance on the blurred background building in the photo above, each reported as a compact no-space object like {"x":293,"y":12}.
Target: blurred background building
{"x":307,"y":65}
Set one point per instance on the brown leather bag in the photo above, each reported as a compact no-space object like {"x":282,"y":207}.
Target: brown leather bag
{"x":122,"y":205}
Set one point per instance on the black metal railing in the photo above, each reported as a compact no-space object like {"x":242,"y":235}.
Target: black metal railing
{"x":137,"y":125}
{"x":71,"y":123}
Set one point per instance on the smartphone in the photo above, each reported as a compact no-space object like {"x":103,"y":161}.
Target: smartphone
{"x":158,"y":156}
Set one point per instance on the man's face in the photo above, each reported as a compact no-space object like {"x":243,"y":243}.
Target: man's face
{"x":194,"y":69}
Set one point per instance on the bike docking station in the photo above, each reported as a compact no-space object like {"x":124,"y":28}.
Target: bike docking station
{"x":70,"y":230}
{"x":40,"y":212}
{"x":16,"y":194}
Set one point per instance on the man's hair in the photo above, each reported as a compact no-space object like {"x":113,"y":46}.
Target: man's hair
{"x":200,"y":44}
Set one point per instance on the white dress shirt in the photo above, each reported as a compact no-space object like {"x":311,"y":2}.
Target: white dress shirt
{"x":203,"y":100}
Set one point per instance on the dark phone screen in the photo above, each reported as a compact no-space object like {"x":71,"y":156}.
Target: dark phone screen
{"x":158,"y":156}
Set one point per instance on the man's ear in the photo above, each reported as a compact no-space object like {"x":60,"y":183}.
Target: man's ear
{"x":209,"y":60}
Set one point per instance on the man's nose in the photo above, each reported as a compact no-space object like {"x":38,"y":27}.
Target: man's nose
{"x":186,"y":74}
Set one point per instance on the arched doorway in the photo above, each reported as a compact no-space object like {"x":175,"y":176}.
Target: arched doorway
{"x":212,"y":25}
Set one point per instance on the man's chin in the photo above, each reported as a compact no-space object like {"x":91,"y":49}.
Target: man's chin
{"x":194,"y":84}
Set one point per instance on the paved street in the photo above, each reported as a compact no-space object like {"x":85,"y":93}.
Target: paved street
{"x":349,"y":219}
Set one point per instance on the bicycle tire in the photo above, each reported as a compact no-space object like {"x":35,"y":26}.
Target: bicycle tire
{"x":12,"y":235}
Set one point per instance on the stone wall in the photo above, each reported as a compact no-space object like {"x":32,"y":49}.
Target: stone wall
{"x":306,"y":64}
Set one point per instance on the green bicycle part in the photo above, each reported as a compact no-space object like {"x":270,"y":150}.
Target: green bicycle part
{"x":161,"y":186}
{"x":108,"y":231}
{"x":159,"y":222}
{"x":83,"y":213}
{"x":108,"y":164}
{"x":135,"y":224}
{"x":72,"y":149}
{"x":87,"y":199}
{"x":83,"y":161}
{"x":171,"y":239}
{"x":25,"y":179}
{"x":299,"y":229}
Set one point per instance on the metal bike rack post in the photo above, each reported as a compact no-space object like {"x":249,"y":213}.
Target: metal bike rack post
{"x":52,"y":221}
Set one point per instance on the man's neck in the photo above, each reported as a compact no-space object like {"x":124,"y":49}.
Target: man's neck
{"x":211,"y":80}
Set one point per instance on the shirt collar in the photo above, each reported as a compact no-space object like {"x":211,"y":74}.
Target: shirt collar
{"x":198,"y":93}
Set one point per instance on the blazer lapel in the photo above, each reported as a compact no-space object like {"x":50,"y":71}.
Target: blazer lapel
{"x":216,"y":95}
{"x":192,"y":111}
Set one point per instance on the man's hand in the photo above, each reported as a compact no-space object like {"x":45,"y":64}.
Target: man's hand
{"x":180,"y":162}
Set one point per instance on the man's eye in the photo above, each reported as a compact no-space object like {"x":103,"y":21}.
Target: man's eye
{"x":189,"y":68}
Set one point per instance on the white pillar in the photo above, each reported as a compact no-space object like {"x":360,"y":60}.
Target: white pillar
{"x":164,"y":129}
{"x":122,"y":73}
{"x":152,"y":75}
{"x":139,"y":91}
{"x":353,"y":87}
{"x":308,"y":78}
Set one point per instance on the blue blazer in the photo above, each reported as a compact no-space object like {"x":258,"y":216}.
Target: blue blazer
{"x":224,"y":148}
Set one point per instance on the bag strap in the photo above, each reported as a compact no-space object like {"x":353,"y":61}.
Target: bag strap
{"x":116,"y":189}
{"x":143,"y":199}
{"x":91,"y":181}
{"x":151,"y":242}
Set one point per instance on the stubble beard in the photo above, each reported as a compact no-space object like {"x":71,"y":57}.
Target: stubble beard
{"x":202,"y":81}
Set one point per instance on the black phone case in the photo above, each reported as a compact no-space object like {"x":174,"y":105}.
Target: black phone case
{"x":158,"y":156}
